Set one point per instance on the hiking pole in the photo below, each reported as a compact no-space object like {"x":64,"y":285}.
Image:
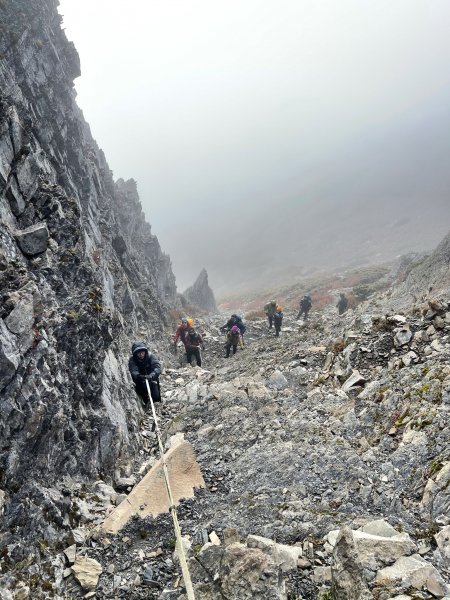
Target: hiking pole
{"x":173,"y":510}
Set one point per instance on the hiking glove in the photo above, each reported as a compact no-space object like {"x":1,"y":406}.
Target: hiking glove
{"x":152,"y":376}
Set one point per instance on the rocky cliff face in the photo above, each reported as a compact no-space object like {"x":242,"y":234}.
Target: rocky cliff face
{"x":200,"y":294}
{"x":433,"y":273}
{"x":80,"y":273}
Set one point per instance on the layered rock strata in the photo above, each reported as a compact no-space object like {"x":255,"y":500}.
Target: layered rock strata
{"x":80,"y":273}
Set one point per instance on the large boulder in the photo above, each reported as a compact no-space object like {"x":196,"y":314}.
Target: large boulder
{"x":284,"y":556}
{"x":33,"y":240}
{"x":413,"y":571}
{"x":377,"y":544}
{"x":237,"y":573}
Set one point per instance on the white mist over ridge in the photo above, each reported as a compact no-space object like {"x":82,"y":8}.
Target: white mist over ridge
{"x":262,"y":136}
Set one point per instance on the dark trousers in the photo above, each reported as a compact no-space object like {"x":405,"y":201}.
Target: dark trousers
{"x":228,"y":348}
{"x":141,"y":390}
{"x":277,"y":321}
{"x":270,"y":318}
{"x":302,"y":311}
{"x":191,"y":352}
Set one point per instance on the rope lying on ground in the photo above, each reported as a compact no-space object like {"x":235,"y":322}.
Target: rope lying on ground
{"x":173,"y":510}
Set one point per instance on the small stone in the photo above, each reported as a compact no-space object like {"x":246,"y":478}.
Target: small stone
{"x":230,"y":536}
{"x":87,"y":571}
{"x":214,"y":538}
{"x":116,"y":582}
{"x":402,"y":337}
{"x":119,"y":499}
{"x":70,"y":553}
{"x":79,"y":535}
{"x":303,"y":563}
{"x":355,"y":379}
{"x":277,"y":381}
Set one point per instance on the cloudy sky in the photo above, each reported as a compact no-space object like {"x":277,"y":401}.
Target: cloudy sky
{"x":270,"y":133}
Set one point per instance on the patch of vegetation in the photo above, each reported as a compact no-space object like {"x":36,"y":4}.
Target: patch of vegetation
{"x":42,"y":545}
{"x":73,"y":315}
{"x":361,"y":292}
{"x":423,"y":389}
{"x":95,"y":299}
{"x":337,"y":345}
{"x":196,"y":549}
{"x":171,"y":543}
{"x":429,"y":530}
{"x":319,"y":381}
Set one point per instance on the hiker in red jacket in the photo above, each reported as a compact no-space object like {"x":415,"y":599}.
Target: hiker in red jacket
{"x":181,"y":332}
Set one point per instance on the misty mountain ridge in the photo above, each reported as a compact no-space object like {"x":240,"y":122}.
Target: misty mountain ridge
{"x":343,"y":239}
{"x":381,"y":193}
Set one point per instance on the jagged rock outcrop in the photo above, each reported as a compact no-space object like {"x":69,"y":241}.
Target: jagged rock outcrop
{"x":200,"y":294}
{"x":80,"y":272}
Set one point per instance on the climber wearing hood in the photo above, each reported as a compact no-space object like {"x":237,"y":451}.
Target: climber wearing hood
{"x":193,"y":343}
{"x":234,"y":320}
{"x":142,"y":366}
{"x":233,"y":339}
{"x":305,"y":306}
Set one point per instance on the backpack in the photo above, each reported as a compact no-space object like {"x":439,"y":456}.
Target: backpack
{"x":234,"y":338}
{"x":241,"y":325}
{"x":193,"y":336}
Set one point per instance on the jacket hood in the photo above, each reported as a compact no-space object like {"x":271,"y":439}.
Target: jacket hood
{"x":138,"y":346}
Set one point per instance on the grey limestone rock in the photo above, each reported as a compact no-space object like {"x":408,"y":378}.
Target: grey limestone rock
{"x":34,"y":239}
{"x":347,"y":572}
{"x":9,"y":355}
{"x":200,"y":294}
{"x":81,"y":274}
{"x":414,"y":571}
